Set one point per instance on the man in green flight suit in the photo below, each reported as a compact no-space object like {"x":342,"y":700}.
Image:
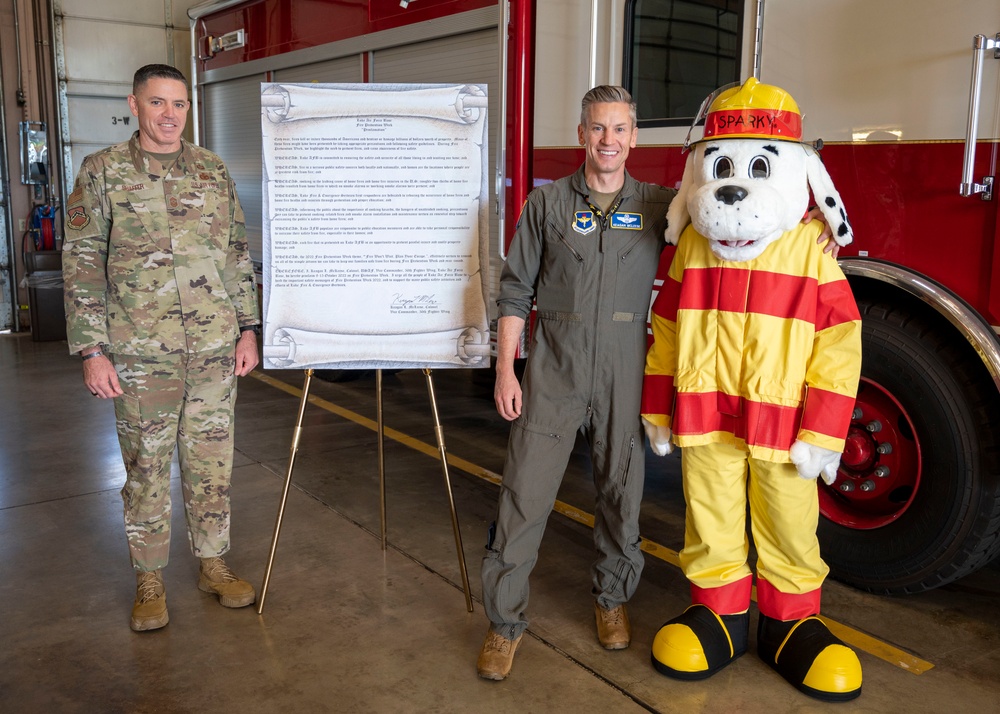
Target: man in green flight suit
{"x":586,"y":249}
{"x":161,"y":304}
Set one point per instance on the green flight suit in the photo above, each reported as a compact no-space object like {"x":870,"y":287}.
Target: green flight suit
{"x":591,"y":277}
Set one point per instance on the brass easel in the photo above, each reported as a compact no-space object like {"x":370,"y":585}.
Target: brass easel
{"x":296,"y":435}
{"x":439,"y":433}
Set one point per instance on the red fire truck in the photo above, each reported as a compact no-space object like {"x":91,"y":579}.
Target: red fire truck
{"x":904,"y":94}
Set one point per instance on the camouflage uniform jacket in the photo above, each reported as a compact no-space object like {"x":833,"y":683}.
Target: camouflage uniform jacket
{"x":153,"y":264}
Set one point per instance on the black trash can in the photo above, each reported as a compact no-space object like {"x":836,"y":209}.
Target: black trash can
{"x":43,"y":270}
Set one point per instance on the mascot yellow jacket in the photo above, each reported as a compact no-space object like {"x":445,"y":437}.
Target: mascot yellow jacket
{"x":746,"y":327}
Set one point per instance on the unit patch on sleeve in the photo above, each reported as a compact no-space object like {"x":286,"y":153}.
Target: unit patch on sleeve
{"x":583,"y":222}
{"x":77,"y":217}
{"x":520,"y":215}
{"x":628,"y":221}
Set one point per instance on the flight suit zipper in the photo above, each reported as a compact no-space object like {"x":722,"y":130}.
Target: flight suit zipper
{"x":628,"y":460}
{"x":579,"y":258}
{"x":598,"y":346}
{"x":631,"y":246}
{"x":603,"y":223}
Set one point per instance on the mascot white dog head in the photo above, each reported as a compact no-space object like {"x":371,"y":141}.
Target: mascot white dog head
{"x":748,"y":180}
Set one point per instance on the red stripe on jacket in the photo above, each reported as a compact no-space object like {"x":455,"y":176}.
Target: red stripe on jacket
{"x":657,"y":394}
{"x":785,"y":296}
{"x":665,"y":304}
{"x":826,"y":412}
{"x":757,"y":423}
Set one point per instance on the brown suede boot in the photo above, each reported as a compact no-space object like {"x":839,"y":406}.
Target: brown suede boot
{"x":614,"y":631}
{"x":497,"y":656}
{"x":150,"y":609}
{"x":216,"y":577}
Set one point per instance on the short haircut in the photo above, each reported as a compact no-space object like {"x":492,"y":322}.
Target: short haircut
{"x":155,"y":71}
{"x":607,"y":94}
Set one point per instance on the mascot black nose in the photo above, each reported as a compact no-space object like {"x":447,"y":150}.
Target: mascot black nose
{"x":730,"y":194}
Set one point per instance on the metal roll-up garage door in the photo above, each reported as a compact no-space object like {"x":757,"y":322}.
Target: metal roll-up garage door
{"x":470,"y":58}
{"x":232,"y":130}
{"x":344,"y":69}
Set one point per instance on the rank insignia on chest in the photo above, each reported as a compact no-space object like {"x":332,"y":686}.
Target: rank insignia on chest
{"x":583,"y":222}
{"x":628,"y":221}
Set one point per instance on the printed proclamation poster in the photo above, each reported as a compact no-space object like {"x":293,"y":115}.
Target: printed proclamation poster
{"x":375,"y":226}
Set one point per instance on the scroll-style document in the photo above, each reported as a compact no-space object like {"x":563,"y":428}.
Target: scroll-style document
{"x":375,"y":226}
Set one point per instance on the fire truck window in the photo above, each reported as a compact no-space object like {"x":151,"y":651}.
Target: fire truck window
{"x":677,"y":52}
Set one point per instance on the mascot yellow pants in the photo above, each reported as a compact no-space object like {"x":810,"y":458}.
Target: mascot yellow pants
{"x":784,"y":514}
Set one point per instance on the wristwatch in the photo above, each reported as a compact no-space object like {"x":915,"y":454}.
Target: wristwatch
{"x":255,"y":328}
{"x":92,"y":355}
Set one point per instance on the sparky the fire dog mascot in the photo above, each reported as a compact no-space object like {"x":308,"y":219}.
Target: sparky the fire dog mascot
{"x":753,"y":371}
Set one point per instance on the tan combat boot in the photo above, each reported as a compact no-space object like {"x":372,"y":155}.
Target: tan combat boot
{"x":497,"y":656}
{"x":150,"y":609}
{"x":216,"y":577}
{"x":614,"y":631}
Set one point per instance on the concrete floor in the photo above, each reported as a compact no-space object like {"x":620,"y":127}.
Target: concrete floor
{"x":348,"y":627}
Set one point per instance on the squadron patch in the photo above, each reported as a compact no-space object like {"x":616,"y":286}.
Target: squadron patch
{"x":583,"y":222}
{"x":520,"y":215}
{"x":77,"y":217}
{"x":628,"y":221}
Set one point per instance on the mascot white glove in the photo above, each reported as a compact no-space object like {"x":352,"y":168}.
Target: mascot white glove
{"x":812,"y":461}
{"x":659,"y":437}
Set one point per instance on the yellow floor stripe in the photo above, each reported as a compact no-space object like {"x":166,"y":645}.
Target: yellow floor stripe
{"x":871,"y":645}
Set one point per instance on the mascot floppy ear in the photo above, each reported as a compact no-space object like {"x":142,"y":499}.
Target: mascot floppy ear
{"x":827,"y":199}
{"x":677,"y":214}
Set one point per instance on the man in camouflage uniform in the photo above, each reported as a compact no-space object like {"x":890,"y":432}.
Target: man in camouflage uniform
{"x":161,"y":303}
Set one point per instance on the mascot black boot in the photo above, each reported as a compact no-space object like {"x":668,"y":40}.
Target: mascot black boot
{"x":698,"y":643}
{"x":810,"y":657}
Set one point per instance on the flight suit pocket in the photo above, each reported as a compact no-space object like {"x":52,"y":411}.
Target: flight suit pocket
{"x":567,"y":282}
{"x":637,"y":266}
{"x":628,"y":464}
{"x":535,"y":429}
{"x":535,"y":455}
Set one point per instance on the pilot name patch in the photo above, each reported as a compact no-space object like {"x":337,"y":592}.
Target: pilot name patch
{"x":628,"y":221}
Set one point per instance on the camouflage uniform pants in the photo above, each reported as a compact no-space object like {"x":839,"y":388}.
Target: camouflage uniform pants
{"x":184,"y":401}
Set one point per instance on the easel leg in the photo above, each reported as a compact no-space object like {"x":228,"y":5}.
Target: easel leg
{"x":439,"y":432}
{"x":284,"y":494}
{"x":381,"y":454}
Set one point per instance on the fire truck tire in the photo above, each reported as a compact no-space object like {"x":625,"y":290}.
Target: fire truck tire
{"x":950,"y":525}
